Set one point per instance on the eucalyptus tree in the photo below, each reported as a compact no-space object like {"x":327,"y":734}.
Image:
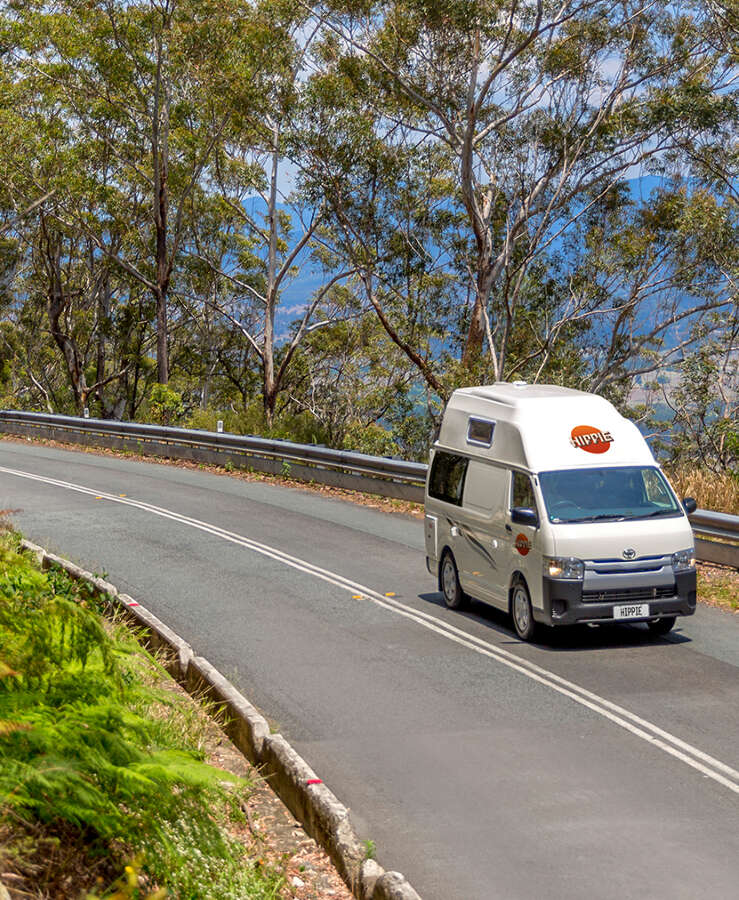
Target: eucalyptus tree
{"x":657,"y":280}
{"x":544,"y":108}
{"x":705,"y":401}
{"x":390,"y":220}
{"x":64,"y":292}
{"x":355,"y":384}
{"x":150,"y":85}
{"x":269,"y":231}
{"x":214,"y":358}
{"x":712,"y":98}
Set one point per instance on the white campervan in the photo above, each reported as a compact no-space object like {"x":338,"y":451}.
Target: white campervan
{"x":547,"y":503}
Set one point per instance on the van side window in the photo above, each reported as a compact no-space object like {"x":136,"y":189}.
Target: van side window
{"x":522,"y":492}
{"x":446,"y":481}
{"x":480,"y":432}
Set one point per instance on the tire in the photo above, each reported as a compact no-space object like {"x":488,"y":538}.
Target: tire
{"x":521,"y":611}
{"x":451,"y":589}
{"x":661,"y":626}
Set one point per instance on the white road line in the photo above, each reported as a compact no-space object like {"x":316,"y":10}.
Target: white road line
{"x":652,"y":734}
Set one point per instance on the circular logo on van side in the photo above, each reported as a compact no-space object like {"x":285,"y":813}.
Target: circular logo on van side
{"x":523,"y":544}
{"x":585,"y":437}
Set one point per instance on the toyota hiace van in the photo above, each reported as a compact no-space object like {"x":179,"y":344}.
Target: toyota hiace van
{"x":547,"y":503}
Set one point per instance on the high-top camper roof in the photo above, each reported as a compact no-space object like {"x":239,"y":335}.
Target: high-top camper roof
{"x":541,"y":427}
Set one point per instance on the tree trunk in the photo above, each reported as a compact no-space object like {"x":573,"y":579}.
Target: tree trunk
{"x":103,"y":317}
{"x":75,"y":370}
{"x":162,"y":349}
{"x":58,"y":301}
{"x":479,"y":217}
{"x":476,"y":331}
{"x":160,"y":154}
{"x":271,"y":388}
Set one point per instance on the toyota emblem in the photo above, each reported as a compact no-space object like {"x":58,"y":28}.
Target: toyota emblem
{"x":629,"y":553}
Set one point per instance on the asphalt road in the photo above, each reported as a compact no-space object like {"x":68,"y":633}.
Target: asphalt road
{"x":602,"y":764}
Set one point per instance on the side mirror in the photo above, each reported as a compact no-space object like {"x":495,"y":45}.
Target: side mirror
{"x":523,"y":516}
{"x":689,"y":505}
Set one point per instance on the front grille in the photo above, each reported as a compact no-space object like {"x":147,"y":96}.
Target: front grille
{"x":630,"y":569}
{"x":629,"y":595}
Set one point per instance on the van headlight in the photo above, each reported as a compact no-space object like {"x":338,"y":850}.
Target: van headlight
{"x":564,"y":567}
{"x":683,"y":560}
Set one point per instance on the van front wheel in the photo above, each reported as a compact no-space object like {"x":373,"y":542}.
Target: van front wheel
{"x":521,"y":612}
{"x":451,"y":589}
{"x":661,"y":626}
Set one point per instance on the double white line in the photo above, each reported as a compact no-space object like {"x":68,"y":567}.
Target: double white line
{"x":652,"y":734}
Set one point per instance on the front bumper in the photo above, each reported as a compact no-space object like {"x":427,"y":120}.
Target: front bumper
{"x":563,"y":602}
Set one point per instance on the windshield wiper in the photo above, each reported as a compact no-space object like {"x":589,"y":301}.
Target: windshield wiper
{"x":601,"y":517}
{"x":659,"y":512}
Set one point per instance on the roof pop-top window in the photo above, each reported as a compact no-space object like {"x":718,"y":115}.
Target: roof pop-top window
{"x":480,"y":432}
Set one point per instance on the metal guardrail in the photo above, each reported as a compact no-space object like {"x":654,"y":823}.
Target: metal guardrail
{"x":717,"y":534}
{"x":340,"y":468}
{"x":712,"y":530}
{"x":715,"y":524}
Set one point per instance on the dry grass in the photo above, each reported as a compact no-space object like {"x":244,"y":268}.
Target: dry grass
{"x":718,"y":586}
{"x":717,"y":492}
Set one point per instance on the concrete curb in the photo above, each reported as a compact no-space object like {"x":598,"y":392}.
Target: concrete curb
{"x":314,"y":805}
{"x":244,"y":724}
{"x":322,"y":815}
{"x":393,"y":886}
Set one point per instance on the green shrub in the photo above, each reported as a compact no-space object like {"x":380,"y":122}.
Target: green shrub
{"x":165,"y":405}
{"x":372,"y":439}
{"x":82,"y":748}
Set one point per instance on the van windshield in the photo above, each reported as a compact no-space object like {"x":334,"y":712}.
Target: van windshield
{"x":610,"y":494}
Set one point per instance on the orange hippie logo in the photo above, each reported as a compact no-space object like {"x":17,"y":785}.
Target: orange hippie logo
{"x":523,"y":544}
{"x":591,"y":439}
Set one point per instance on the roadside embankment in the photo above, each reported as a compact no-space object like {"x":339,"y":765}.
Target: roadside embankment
{"x":104,"y":787}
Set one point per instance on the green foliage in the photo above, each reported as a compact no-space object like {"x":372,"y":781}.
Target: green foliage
{"x":372,"y":439}
{"x":165,"y":405}
{"x":704,"y":427}
{"x":286,"y":425}
{"x":82,"y":744}
{"x":204,"y":419}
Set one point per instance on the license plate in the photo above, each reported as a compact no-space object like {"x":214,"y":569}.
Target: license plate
{"x":635,"y":611}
